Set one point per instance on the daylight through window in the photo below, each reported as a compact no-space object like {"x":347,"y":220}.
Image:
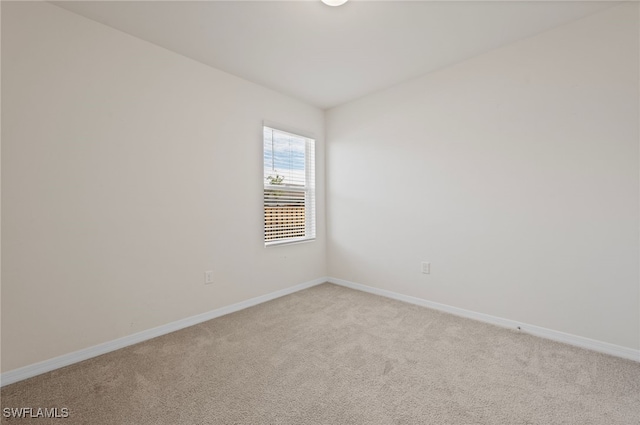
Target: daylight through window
{"x":289,"y":187}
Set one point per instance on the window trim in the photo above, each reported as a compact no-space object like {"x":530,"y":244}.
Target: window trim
{"x":309,"y":189}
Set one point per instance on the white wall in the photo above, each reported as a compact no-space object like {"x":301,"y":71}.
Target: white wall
{"x":127,"y":171}
{"x":514,"y":173}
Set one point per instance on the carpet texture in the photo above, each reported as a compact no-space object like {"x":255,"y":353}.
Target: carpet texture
{"x":331,"y":355}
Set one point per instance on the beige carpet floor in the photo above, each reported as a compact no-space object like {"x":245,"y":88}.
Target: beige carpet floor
{"x":331,"y":355}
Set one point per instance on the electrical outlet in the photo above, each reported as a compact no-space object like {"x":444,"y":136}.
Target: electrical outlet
{"x":208,"y":277}
{"x":426,"y":267}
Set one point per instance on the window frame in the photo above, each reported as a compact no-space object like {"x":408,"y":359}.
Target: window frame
{"x":308,"y":189}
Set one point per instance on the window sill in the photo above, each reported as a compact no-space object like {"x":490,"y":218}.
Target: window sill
{"x":288,"y":242}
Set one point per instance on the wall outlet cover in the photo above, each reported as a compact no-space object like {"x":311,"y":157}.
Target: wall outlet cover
{"x":208,"y":277}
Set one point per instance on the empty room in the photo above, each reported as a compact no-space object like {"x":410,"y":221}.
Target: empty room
{"x":320,"y":212}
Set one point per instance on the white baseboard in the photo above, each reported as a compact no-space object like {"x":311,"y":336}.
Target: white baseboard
{"x":578,"y":341}
{"x":29,"y":371}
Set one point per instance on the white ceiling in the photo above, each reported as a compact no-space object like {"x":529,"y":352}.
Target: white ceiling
{"x":325,"y":55}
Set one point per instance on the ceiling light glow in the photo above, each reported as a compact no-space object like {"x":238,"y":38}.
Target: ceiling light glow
{"x":334,"y":2}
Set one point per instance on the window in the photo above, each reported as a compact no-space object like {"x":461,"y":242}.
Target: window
{"x":289,"y":187}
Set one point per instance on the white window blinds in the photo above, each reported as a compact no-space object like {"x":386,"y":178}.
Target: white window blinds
{"x":289,"y":187}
